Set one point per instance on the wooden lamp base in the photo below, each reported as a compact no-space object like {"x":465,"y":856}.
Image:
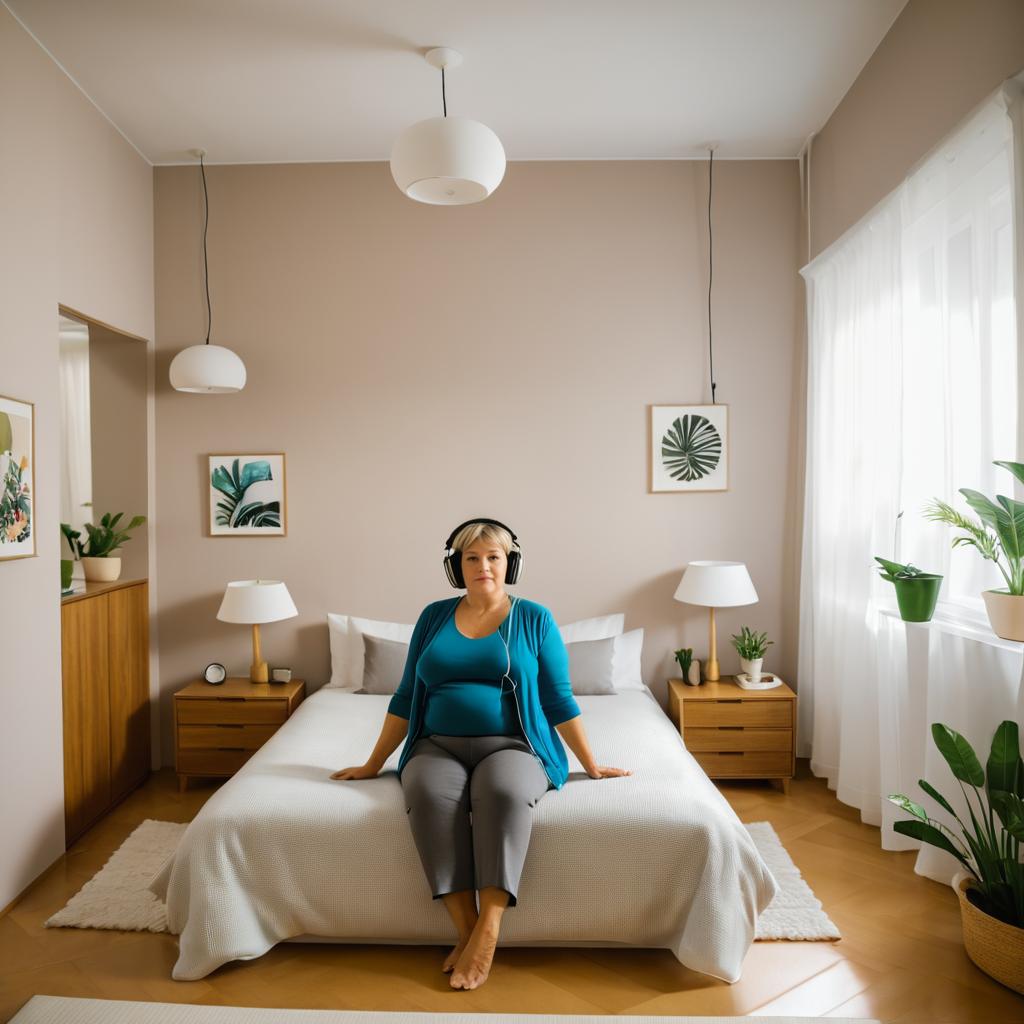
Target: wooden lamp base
{"x":258,"y":671}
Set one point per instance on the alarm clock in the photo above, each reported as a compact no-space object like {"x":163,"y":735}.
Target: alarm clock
{"x":215,"y":673}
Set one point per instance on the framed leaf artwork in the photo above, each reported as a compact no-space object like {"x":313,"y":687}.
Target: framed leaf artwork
{"x":689,"y":448}
{"x":247,"y":495}
{"x":17,"y":478}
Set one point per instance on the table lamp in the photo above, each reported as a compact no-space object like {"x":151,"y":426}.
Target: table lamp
{"x":715,"y":585}
{"x":253,"y":602}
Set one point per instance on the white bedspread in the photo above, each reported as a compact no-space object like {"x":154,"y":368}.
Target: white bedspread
{"x":657,"y":859}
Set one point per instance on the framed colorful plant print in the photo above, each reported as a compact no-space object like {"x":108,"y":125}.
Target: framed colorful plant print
{"x":247,"y":495}
{"x":689,"y":448}
{"x":17,"y":478}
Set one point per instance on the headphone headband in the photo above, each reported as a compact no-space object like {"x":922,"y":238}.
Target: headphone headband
{"x":453,"y":559}
{"x":492,"y":522}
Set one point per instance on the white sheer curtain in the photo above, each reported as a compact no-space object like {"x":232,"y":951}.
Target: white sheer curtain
{"x":76,"y":431}
{"x":912,"y":393}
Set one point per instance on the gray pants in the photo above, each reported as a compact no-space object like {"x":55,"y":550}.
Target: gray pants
{"x":497,"y":779}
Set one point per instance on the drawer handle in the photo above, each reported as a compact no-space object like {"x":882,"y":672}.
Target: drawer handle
{"x":226,"y":725}
{"x":732,"y":728}
{"x":231,"y":748}
{"x":231,"y":698}
{"x":730,"y":700}
{"x":732,"y":753}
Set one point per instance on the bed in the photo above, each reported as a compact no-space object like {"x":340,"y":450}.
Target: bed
{"x":280,"y":851}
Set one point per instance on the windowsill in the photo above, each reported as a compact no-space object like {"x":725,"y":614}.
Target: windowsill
{"x":979,"y":632}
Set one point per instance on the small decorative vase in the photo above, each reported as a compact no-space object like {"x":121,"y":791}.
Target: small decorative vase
{"x":693,"y":676}
{"x":102,"y":570}
{"x":752,"y":668}
{"x":995,"y":946}
{"x":917,"y":597}
{"x":67,"y":568}
{"x":1005,"y":614}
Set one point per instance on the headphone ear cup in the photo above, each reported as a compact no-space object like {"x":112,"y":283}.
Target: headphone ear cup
{"x":514,"y":567}
{"x":453,"y":567}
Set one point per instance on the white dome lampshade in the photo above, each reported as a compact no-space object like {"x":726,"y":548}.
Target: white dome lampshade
{"x":207,"y":369}
{"x":448,"y":161}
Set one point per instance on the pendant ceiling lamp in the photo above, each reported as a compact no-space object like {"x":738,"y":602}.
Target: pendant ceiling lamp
{"x":207,"y":369}
{"x":447,"y":161}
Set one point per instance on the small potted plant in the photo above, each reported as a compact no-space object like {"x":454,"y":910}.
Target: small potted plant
{"x":992,"y":893}
{"x":96,"y":553}
{"x":751,"y":647}
{"x":998,"y":536}
{"x":689,"y":669}
{"x":917,"y":592}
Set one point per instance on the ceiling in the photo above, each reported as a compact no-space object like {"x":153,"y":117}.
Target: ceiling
{"x":271,"y":81}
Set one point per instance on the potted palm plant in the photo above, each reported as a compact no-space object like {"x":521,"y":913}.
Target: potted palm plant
{"x":998,"y":536}
{"x":992,"y":892}
{"x":96,"y":553}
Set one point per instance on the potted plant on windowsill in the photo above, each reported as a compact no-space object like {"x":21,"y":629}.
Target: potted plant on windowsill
{"x":917,"y":592}
{"x":96,"y":554}
{"x":998,"y":536}
{"x":992,"y":894}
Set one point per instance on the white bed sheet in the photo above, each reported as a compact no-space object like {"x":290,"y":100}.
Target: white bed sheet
{"x":657,"y":859}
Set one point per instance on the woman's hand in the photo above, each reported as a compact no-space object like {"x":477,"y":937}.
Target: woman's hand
{"x":601,"y":772}
{"x":364,"y":771}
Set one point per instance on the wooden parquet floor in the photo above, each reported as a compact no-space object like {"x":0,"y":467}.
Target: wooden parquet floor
{"x":900,"y":959}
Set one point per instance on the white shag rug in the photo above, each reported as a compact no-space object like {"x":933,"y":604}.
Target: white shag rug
{"x":62,"y":1010}
{"x":117,"y":896}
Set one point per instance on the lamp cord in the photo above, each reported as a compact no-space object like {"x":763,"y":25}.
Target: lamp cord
{"x":206,"y":265}
{"x":711,"y":272}
{"x":444,"y":100}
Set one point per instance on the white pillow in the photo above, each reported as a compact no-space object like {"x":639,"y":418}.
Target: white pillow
{"x":626,"y":670}
{"x":347,"y":646}
{"x":593,"y":629}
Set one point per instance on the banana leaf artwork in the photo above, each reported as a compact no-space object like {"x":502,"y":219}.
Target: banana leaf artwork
{"x":17,"y":479}
{"x":247,"y":495}
{"x":689,"y":448}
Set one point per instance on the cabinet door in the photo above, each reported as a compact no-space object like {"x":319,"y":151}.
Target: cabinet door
{"x":84,"y":626}
{"x":129,"y":689}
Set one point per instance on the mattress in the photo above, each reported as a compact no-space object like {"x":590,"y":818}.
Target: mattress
{"x":655,"y":859}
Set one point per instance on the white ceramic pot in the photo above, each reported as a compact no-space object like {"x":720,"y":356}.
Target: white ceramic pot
{"x":102,"y":570}
{"x":693,"y":676}
{"x":752,"y":669}
{"x":1005,"y":614}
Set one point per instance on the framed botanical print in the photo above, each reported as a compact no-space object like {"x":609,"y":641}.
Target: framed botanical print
{"x":689,"y":448}
{"x":247,"y":495}
{"x":17,"y":478}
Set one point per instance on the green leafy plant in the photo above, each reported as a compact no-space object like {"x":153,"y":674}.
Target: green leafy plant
{"x":685,"y":658}
{"x":233,"y":486}
{"x":750,"y":645}
{"x":998,"y":532}
{"x":103,"y":540}
{"x":893,"y":571}
{"x":990,"y":848}
{"x":15,"y":502}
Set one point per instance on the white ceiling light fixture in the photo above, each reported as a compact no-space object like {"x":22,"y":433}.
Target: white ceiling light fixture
{"x":207,"y":369}
{"x":447,"y":161}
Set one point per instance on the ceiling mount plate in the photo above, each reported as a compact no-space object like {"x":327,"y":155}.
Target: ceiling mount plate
{"x":442,"y":57}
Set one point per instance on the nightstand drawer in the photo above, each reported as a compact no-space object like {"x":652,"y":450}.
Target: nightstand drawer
{"x":776,"y":714}
{"x":212,"y":762}
{"x":736,"y":737}
{"x":754,"y":764}
{"x":206,"y":737}
{"x":229,"y":711}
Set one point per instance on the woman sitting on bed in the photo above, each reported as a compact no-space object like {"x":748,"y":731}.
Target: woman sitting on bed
{"x":486,"y":684}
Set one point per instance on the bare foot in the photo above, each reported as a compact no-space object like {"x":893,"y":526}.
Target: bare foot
{"x":453,"y":957}
{"x":473,"y":966}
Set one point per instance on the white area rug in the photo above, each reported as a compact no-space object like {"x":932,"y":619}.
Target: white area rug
{"x":117,"y":896}
{"x":61,"y":1010}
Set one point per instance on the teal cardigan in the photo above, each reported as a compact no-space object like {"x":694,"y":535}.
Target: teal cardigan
{"x":540,"y":667}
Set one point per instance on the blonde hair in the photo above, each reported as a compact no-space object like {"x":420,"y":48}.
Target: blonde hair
{"x":473,"y":532}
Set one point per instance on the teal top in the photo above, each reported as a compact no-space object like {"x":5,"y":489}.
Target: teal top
{"x":463,"y":677}
{"x":540,"y":667}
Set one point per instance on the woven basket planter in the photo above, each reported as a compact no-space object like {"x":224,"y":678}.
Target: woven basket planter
{"x":994,"y":946}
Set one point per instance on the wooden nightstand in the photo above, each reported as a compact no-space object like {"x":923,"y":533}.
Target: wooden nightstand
{"x":218,"y":728}
{"x":735,"y":733}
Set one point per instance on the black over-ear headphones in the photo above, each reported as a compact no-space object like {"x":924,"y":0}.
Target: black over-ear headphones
{"x":453,"y":559}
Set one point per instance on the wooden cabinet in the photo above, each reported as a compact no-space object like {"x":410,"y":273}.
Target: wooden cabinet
{"x":735,"y":733}
{"x":217,"y":728}
{"x":105,"y":675}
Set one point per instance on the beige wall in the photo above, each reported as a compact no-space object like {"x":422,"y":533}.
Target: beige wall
{"x":118,"y":399}
{"x":939,"y":60}
{"x":421,"y":365}
{"x":79,"y":232}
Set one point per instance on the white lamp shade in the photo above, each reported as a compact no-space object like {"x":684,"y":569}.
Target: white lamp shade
{"x":209,"y":369}
{"x":252,"y":601}
{"x":448,"y":161}
{"x":716,"y":585}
